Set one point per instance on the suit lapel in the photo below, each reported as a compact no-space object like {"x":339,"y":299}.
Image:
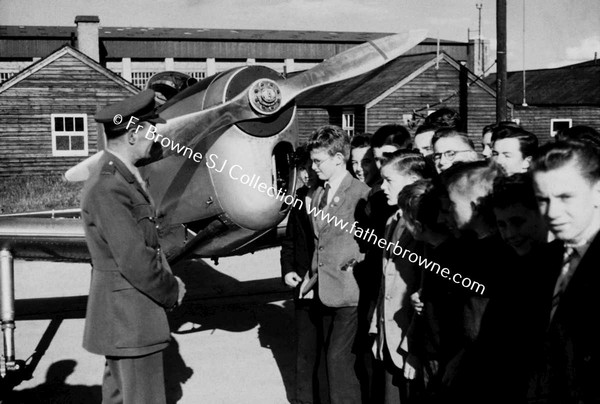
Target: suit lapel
{"x":312,"y":202}
{"x":587,"y":263}
{"x":585,"y":274}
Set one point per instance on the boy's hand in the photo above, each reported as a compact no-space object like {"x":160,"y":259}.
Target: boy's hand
{"x":181,"y":290}
{"x":415,"y":301}
{"x":292,"y":279}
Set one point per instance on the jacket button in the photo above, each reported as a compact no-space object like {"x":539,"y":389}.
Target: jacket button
{"x":387,"y":297}
{"x":320,"y":248}
{"x":320,"y":264}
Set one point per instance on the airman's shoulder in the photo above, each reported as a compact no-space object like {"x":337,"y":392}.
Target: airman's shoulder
{"x":105,"y":184}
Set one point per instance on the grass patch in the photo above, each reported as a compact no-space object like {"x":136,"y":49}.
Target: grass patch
{"x":28,"y":194}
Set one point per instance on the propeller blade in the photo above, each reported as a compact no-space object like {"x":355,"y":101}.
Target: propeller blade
{"x":82,"y":171}
{"x":353,"y":62}
{"x":188,"y":129}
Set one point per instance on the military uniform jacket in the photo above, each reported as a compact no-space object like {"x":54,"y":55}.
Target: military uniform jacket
{"x":335,"y":244}
{"x":131,"y":282}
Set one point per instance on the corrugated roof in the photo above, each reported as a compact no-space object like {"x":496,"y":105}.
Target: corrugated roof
{"x":207,"y":34}
{"x":577,"y":84}
{"x":363,"y":89}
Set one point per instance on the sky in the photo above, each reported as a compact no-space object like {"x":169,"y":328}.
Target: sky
{"x":557,"y":32}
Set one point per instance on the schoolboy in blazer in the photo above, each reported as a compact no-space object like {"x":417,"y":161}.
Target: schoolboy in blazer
{"x":338,"y":203}
{"x":566,"y":178}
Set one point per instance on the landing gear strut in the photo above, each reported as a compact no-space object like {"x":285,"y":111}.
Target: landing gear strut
{"x":10,"y":369}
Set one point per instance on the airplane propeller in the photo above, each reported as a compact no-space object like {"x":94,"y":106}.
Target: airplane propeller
{"x":265,"y":97}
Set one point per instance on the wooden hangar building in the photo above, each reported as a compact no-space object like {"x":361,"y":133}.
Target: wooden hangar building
{"x":53,"y":80}
{"x":555,"y":98}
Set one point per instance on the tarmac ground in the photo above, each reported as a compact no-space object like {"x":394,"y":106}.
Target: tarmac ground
{"x":232,"y":337}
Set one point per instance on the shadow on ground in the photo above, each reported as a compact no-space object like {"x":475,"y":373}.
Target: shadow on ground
{"x":249,"y":304}
{"x":214,"y":301}
{"x":56,"y":390}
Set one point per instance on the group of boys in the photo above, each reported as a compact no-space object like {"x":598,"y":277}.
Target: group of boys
{"x":339,"y":277}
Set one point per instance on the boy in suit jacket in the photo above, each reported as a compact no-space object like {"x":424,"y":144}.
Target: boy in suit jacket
{"x":566,"y":177}
{"x":333,"y":208}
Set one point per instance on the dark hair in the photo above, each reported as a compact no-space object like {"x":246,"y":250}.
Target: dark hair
{"x":360,"y":141}
{"x":301,"y":156}
{"x":444,"y":118}
{"x":331,"y":138}
{"x":392,"y":134}
{"x":425,"y":128}
{"x":501,"y":124}
{"x":451,"y":132}
{"x":555,"y":155}
{"x":513,"y":190}
{"x":409,"y":161}
{"x":421,"y":202}
{"x":528,"y":142}
{"x":580,"y":132}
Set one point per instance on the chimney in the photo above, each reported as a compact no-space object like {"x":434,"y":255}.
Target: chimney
{"x":87,"y":35}
{"x":478,"y":55}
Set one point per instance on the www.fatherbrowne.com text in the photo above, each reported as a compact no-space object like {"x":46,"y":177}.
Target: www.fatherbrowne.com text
{"x":236,"y":172}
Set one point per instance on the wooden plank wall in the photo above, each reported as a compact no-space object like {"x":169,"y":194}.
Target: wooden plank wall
{"x":427,"y":89}
{"x":64,"y":86}
{"x":310,"y":119}
{"x":537,"y":119}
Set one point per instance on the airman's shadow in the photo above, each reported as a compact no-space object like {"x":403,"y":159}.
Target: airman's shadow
{"x":214,"y":301}
{"x":217,"y":301}
{"x":56,"y":390}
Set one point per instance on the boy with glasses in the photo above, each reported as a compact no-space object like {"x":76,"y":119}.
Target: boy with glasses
{"x":451,"y":146}
{"x":336,"y":252}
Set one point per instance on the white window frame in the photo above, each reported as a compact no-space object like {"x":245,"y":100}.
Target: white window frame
{"x":6,"y":75}
{"x":140,"y":78}
{"x":197,"y":74}
{"x":552,"y":121}
{"x":348,"y":123}
{"x":55,"y":133}
{"x":407,"y":119}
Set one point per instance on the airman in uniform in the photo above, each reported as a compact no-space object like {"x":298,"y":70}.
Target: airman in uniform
{"x":132,"y":285}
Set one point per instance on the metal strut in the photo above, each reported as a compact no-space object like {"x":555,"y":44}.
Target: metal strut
{"x":10,"y":368}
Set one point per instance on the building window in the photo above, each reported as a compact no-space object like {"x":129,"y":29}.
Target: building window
{"x":348,"y":124}
{"x":559,"y":124}
{"x":198,"y":75}
{"x":69,"y":134}
{"x":6,"y":75}
{"x":139,"y":79}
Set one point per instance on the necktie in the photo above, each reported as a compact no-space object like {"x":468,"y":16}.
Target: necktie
{"x":563,"y":279}
{"x":324,"y":196}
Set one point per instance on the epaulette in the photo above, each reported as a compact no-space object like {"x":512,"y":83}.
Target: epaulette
{"x":109,"y":168}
